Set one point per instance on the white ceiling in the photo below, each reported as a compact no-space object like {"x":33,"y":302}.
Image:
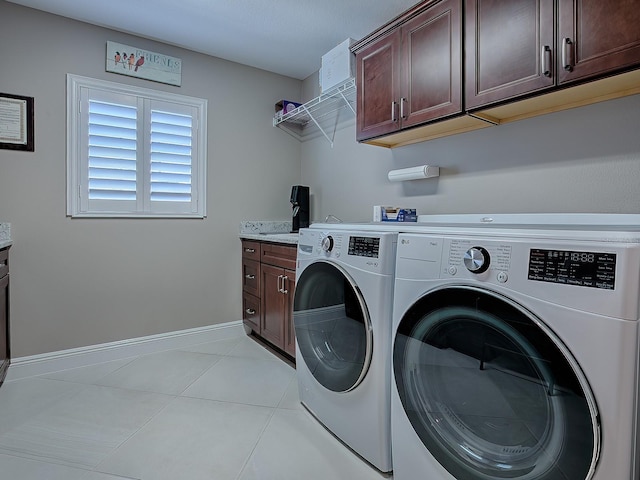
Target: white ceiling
{"x":283,"y":36}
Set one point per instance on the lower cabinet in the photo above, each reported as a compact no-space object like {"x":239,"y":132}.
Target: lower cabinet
{"x":4,"y":313}
{"x":268,"y":292}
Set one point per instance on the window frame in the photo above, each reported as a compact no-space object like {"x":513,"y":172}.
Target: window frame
{"x":79,"y":90}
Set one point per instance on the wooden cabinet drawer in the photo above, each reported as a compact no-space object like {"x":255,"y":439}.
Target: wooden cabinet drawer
{"x":251,"y":311}
{"x":279,"y":255}
{"x":4,"y":262}
{"x":251,"y":277}
{"x":251,"y":250}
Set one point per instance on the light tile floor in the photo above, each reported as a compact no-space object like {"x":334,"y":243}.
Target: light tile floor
{"x":226,"y":410}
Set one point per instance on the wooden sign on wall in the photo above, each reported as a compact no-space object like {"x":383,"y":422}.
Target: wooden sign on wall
{"x":137,"y":62}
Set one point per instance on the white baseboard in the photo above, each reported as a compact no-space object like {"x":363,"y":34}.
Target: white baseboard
{"x":23,"y":367}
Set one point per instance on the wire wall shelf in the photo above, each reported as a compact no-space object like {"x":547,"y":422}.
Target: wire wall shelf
{"x":322,"y":113}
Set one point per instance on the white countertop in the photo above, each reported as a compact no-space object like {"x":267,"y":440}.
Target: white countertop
{"x":291,"y":238}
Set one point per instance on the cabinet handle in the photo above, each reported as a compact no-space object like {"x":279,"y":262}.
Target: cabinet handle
{"x":284,"y":289}
{"x":250,"y":311}
{"x":402,"y":102}
{"x":546,"y":61}
{"x":567,"y":50}
{"x":250,"y":250}
{"x":280,"y":277}
{"x":249,"y":276}
{"x":394,"y":118}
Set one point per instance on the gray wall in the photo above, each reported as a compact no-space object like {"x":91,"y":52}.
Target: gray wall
{"x":82,"y":282}
{"x":78,"y":282}
{"x":581,"y":160}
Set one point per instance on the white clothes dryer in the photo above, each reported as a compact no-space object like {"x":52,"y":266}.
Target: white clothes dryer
{"x":515,"y":354}
{"x":342,"y":319}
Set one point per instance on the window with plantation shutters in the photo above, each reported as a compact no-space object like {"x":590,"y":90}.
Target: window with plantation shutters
{"x":134,"y":152}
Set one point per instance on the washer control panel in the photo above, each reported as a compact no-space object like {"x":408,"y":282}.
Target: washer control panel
{"x":364,"y":246}
{"x":364,"y":250}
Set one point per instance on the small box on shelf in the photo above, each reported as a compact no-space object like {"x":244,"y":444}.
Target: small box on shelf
{"x":394,"y":214}
{"x":286,"y":106}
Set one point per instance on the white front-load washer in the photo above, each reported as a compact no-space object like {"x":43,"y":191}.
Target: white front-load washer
{"x":342,"y":319}
{"x":515,"y":354}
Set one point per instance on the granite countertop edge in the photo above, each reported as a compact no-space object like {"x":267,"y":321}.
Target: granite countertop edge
{"x":5,"y":235}
{"x":275,"y":231}
{"x":289,"y":238}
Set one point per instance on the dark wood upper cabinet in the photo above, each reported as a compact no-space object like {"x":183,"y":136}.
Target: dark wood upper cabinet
{"x":432,"y":61}
{"x":412,"y":73}
{"x":520,"y":57}
{"x":519,"y":47}
{"x":378,"y":79}
{"x":597,"y":37}
{"x":510,"y":49}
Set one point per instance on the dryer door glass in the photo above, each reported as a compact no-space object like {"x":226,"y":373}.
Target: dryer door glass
{"x":491,"y":391}
{"x":332,"y":327}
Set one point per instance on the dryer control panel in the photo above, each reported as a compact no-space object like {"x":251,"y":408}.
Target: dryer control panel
{"x":571,"y":267}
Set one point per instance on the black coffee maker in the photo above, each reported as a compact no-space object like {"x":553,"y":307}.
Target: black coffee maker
{"x":300,"y":205}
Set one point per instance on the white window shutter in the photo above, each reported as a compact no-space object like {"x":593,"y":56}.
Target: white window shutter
{"x":171,"y":157}
{"x":134,"y":152}
{"x":112,"y":169}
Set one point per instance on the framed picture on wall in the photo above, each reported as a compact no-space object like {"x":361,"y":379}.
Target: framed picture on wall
{"x":16,"y":122}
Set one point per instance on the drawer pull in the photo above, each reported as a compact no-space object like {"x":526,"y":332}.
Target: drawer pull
{"x":249,"y":276}
{"x":250,"y":311}
{"x":250,"y":250}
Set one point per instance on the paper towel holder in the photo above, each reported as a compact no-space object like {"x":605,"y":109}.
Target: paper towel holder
{"x":414,"y":173}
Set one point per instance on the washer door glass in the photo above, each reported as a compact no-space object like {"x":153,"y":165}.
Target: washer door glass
{"x":332,"y":327}
{"x":491,"y":392}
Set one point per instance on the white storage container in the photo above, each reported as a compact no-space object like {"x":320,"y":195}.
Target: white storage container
{"x":338,"y":66}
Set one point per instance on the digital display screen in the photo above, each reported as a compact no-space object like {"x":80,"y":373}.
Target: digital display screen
{"x":585,"y":269}
{"x":364,"y":246}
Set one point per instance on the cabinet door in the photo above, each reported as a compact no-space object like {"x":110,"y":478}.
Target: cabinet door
{"x":272,"y":303}
{"x":289,"y":331}
{"x":431,"y":64}
{"x":597,"y":38}
{"x":4,"y":326}
{"x":509,"y":48}
{"x":378,"y":77}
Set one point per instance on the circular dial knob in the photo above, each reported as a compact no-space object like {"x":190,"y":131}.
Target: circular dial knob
{"x":476,"y":259}
{"x":327,"y":243}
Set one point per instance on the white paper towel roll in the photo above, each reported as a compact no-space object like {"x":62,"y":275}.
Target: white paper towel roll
{"x":414,"y":173}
